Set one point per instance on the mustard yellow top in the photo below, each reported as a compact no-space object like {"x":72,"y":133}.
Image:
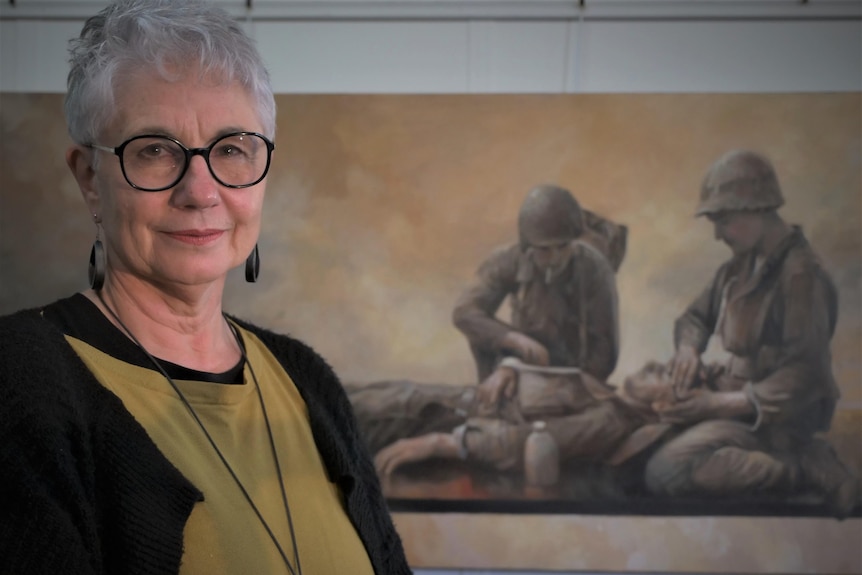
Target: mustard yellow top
{"x":223,"y":535}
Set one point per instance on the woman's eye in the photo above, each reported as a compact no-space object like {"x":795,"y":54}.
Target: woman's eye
{"x":153,"y":150}
{"x":228,"y":151}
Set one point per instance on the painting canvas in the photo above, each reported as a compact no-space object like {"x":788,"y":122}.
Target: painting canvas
{"x":380,"y":211}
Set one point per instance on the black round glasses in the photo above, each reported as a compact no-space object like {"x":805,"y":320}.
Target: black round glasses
{"x":153,"y":163}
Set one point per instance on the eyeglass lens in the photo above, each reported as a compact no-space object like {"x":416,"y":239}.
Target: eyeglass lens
{"x":153,"y":162}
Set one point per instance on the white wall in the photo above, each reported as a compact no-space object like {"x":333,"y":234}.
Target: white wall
{"x":484,"y":46}
{"x":489,"y":46}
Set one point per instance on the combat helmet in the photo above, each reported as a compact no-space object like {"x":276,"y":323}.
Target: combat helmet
{"x":549,"y":215}
{"x":740,"y":180}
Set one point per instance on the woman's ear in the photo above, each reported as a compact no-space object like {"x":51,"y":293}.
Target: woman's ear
{"x":80,"y":161}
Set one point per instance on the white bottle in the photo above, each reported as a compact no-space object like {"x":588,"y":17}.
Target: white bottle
{"x":541,"y":457}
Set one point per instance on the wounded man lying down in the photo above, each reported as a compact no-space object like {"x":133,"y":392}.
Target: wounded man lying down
{"x":405,"y":421}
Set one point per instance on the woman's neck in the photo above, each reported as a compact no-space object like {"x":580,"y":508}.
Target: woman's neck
{"x":187,"y":331}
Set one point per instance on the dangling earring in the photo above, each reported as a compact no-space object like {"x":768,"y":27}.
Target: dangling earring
{"x":97,"y":266}
{"x":252,"y":266}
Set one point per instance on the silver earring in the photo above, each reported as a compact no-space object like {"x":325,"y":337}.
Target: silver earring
{"x":252,"y":265}
{"x":96,"y":270}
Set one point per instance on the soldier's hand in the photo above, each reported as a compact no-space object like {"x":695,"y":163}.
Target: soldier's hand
{"x":526,"y":348}
{"x":690,"y":410}
{"x":683,"y":368}
{"x":503,"y":383}
{"x":703,"y":404}
{"x":414,"y":449}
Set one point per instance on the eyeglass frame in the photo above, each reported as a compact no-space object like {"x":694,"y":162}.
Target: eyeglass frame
{"x":189,"y":153}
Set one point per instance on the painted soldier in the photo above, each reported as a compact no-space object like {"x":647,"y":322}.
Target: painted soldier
{"x":562,"y":292}
{"x":774,"y":308}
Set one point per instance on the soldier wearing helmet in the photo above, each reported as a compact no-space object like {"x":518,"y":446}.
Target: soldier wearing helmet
{"x":562,"y":291}
{"x":549,"y":221}
{"x":740,"y":181}
{"x":563,"y":297}
{"x":774,"y":308}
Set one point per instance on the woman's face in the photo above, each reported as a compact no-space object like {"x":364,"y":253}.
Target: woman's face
{"x":196,"y":231}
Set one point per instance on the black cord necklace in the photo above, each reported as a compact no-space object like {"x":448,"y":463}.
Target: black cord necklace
{"x":290,"y":568}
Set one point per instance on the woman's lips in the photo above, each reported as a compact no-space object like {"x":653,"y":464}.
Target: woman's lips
{"x":196,"y":237}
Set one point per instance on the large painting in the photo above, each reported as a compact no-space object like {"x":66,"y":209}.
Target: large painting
{"x":407,"y":238}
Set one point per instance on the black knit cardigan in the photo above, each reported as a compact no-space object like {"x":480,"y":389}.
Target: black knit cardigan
{"x":84,"y":490}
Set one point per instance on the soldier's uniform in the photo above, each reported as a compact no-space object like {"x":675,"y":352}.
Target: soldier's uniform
{"x":776,"y":320}
{"x":575,"y":316}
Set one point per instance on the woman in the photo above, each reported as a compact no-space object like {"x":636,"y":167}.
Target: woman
{"x":143,"y":430}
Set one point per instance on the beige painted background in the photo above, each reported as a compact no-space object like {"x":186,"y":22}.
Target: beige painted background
{"x":379,"y":209}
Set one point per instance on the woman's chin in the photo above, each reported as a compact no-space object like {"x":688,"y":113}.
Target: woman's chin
{"x":194,"y":277}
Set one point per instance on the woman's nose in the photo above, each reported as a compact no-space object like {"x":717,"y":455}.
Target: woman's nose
{"x":198,"y":188}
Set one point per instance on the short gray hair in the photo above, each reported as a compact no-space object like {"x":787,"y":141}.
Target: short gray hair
{"x":158,"y":34}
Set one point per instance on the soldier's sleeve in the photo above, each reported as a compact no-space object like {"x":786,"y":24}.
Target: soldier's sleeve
{"x":601,"y":310}
{"x":803,"y":314}
{"x":475,"y":310}
{"x":697,"y":324}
